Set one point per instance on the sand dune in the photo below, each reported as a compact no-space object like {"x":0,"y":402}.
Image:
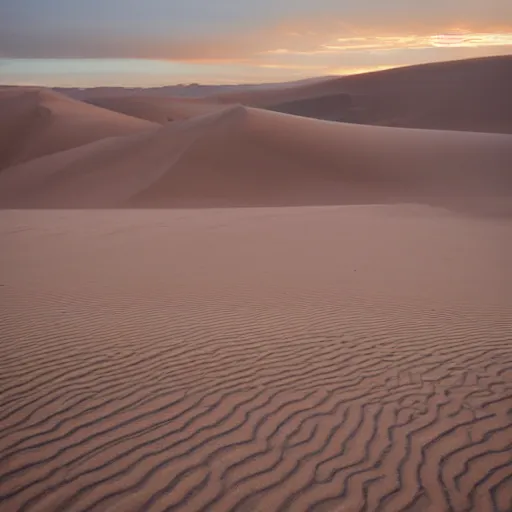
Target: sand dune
{"x":180,"y":90}
{"x":162,"y":349}
{"x":288,"y":359}
{"x":156,"y":109}
{"x":335,"y":107}
{"x":241,"y":157}
{"x":466,"y":95}
{"x":36,"y":122}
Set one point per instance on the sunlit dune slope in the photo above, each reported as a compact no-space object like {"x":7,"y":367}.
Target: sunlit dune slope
{"x":241,"y":156}
{"x":36,"y":122}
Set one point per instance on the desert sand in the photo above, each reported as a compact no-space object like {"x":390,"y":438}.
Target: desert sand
{"x":245,"y":310}
{"x":238,"y":156}
{"x":36,"y":122}
{"x":157,"y":109}
{"x":187,"y":90}
{"x":466,"y":95}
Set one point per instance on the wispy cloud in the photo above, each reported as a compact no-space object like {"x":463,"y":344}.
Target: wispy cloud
{"x":292,"y":66}
{"x":285,"y":51}
{"x":255,"y":40}
{"x":403,"y":42}
{"x":471,"y":40}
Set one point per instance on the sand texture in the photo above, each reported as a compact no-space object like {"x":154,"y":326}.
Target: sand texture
{"x":214,"y":360}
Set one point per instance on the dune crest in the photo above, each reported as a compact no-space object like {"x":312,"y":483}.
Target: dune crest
{"x":157,"y":109}
{"x":465,"y":95}
{"x":240,"y":156}
{"x":37,"y":122}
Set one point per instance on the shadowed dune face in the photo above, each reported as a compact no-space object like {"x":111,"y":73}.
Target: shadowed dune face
{"x":470,"y":95}
{"x":221,"y":360}
{"x":151,"y":110}
{"x":330,"y":108}
{"x":36,"y":122}
{"x":247,"y":157}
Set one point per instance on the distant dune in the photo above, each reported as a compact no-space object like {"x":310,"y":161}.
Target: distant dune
{"x":330,"y":108}
{"x":36,"y":122}
{"x":157,"y":109}
{"x":179,"y":90}
{"x":467,"y":95}
{"x":240,"y":156}
{"x":144,"y":151}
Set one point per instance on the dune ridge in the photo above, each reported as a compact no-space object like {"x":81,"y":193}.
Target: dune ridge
{"x":37,"y":122}
{"x":157,"y":109}
{"x":182,"y":91}
{"x":465,"y":95}
{"x":240,"y":156}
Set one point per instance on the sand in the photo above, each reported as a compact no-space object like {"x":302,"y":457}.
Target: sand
{"x":157,"y":109}
{"x":190,"y":90}
{"x":466,"y":95}
{"x":238,"y":156}
{"x":36,"y":122}
{"x":323,"y":358}
{"x":244,"y":310}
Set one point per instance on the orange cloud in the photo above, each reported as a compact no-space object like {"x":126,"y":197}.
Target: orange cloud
{"x":402,"y":42}
{"x":291,"y":66}
{"x":303,"y":46}
{"x":471,"y":40}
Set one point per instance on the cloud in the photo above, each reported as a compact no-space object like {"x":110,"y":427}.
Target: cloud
{"x":223,"y":30}
{"x":90,"y":46}
{"x":404,"y":42}
{"x":471,"y":40}
{"x":292,"y":67}
{"x":267,"y":37}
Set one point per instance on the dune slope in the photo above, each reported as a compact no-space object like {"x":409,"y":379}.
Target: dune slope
{"x":466,"y":95}
{"x":36,"y":122}
{"x":157,"y":109}
{"x":241,"y":156}
{"x":193,"y":90}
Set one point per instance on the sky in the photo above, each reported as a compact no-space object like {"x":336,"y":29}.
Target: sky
{"x":145,"y":43}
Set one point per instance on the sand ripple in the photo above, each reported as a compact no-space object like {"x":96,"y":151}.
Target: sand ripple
{"x":246,"y":376}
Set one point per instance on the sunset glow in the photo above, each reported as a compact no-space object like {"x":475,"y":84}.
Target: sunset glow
{"x":57,"y":42}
